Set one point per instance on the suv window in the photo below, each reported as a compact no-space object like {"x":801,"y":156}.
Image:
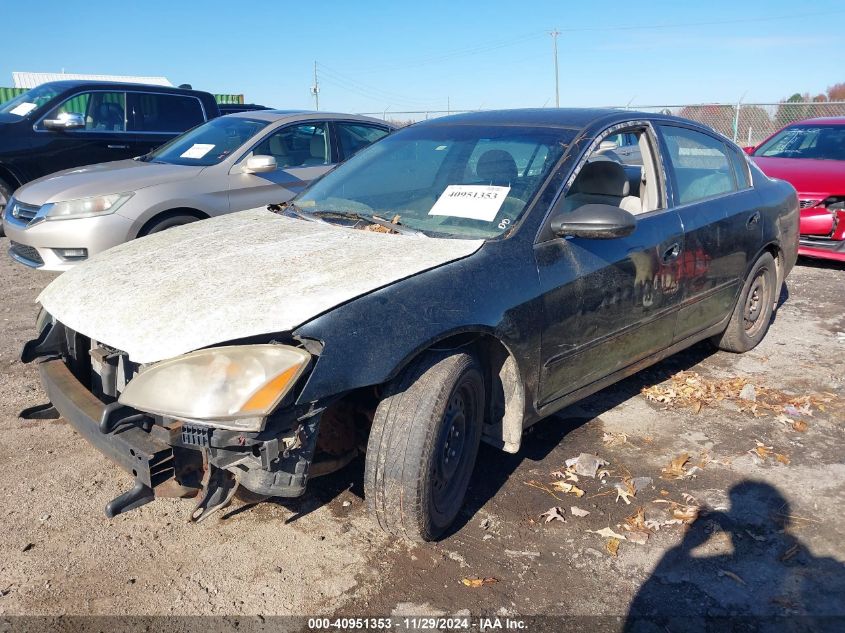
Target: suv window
{"x":355,"y":136}
{"x":151,"y":112}
{"x":103,"y":111}
{"x":304,"y":145}
{"x":700,"y":162}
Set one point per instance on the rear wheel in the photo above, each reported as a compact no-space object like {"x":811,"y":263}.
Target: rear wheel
{"x":156,"y":226}
{"x":753,"y":312}
{"x":423,"y":445}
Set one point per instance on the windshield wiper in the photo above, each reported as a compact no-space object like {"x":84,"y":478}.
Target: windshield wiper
{"x":396,"y":226}
{"x":293,"y":209}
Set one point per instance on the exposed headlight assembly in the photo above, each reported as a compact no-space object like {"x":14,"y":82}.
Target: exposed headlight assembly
{"x":85,"y":207}
{"x":225,"y":387}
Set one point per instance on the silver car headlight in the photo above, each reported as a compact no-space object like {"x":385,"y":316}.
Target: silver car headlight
{"x":85,"y":207}
{"x":226,"y":387}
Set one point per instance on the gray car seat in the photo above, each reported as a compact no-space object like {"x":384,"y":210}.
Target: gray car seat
{"x":317,"y":151}
{"x":601,"y":182}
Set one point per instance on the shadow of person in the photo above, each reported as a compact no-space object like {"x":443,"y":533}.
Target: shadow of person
{"x":742,"y":571}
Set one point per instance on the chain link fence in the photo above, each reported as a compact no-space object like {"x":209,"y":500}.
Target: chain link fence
{"x":745,"y":123}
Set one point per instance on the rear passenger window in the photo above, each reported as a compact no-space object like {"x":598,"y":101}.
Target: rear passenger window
{"x":701,"y":164}
{"x":163,"y":113}
{"x":354,"y":137}
{"x":740,"y":165}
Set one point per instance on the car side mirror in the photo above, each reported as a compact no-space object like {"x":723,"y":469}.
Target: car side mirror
{"x":594,"y":221}
{"x":260,"y":164}
{"x":607,"y":146}
{"x":749,"y":149}
{"x":65,"y":121}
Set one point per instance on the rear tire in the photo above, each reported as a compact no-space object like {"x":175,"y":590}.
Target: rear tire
{"x":753,"y":311}
{"x":423,"y":445}
{"x":156,"y":226}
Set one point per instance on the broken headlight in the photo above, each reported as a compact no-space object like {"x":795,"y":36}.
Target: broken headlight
{"x":226,"y":387}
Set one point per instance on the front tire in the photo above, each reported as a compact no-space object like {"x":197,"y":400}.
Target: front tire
{"x":753,"y":312}
{"x":168,"y":222}
{"x":423,"y":445}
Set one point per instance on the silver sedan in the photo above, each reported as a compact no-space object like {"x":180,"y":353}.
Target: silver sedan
{"x":236,"y":162}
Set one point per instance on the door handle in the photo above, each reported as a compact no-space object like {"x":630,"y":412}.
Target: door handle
{"x":753,"y":220}
{"x":671,"y":253}
{"x":118,"y":147}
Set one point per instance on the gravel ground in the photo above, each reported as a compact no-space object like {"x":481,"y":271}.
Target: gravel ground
{"x":768,"y":539}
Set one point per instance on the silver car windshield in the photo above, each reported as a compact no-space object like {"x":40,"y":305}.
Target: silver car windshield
{"x":28,"y":101}
{"x":459,"y":181}
{"x":209,"y":143}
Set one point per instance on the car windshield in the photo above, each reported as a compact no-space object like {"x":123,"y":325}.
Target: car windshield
{"x":209,"y":143}
{"x":28,"y":101}
{"x":822,"y":142}
{"x":461,"y":181}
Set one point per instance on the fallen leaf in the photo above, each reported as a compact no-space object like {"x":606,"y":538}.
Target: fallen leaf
{"x":607,"y":533}
{"x":612,"y":546}
{"x":562,"y":486}
{"x":479,"y":582}
{"x":731,"y":575}
{"x":613,"y":439}
{"x":553,"y":514}
{"x":578,"y":512}
{"x":687,"y":514}
{"x":675,"y":469}
{"x":783,"y":459}
{"x":800,"y":426}
{"x":636,"y":521}
{"x":624,"y":491}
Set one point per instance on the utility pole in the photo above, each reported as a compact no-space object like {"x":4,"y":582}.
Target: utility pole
{"x":315,"y":89}
{"x":554,"y":35}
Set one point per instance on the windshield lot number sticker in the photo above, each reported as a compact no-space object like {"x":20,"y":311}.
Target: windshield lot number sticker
{"x":475,"y":202}
{"x":197,"y":150}
{"x":22,"y":109}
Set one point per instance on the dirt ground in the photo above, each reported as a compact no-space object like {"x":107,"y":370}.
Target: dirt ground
{"x":757,"y":506}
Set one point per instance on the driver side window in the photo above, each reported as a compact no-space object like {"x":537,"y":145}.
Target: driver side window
{"x":303,"y":145}
{"x":606,"y":178}
{"x":103,"y":111}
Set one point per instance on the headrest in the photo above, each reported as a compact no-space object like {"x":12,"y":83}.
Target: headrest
{"x":318,"y":146}
{"x":496,"y":166}
{"x":603,"y":178}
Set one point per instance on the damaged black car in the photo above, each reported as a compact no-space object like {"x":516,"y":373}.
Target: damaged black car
{"x":453,"y":283}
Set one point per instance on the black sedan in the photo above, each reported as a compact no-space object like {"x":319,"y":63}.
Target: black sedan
{"x":454,"y":282}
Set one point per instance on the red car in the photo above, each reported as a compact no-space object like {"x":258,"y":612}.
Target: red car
{"x":811,"y":156}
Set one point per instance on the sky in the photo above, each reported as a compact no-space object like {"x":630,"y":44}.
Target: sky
{"x":391,"y":57}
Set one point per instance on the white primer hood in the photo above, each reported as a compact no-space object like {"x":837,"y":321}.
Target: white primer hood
{"x":238,"y":275}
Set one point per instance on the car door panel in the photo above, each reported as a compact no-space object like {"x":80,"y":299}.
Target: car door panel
{"x":247,"y":191}
{"x":721,"y":231}
{"x":607,"y":303}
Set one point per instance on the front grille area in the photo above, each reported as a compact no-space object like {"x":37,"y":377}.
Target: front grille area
{"x":27,"y":253}
{"x":23,"y":212}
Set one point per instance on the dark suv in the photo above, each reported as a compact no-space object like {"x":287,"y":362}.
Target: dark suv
{"x":66,"y":124}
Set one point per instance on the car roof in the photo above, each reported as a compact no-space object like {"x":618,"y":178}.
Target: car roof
{"x":573,"y":118}
{"x":67,"y":84}
{"x":824,"y":120}
{"x":293,"y":115}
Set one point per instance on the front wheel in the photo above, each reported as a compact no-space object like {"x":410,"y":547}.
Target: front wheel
{"x":423,"y":445}
{"x":753,"y":312}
